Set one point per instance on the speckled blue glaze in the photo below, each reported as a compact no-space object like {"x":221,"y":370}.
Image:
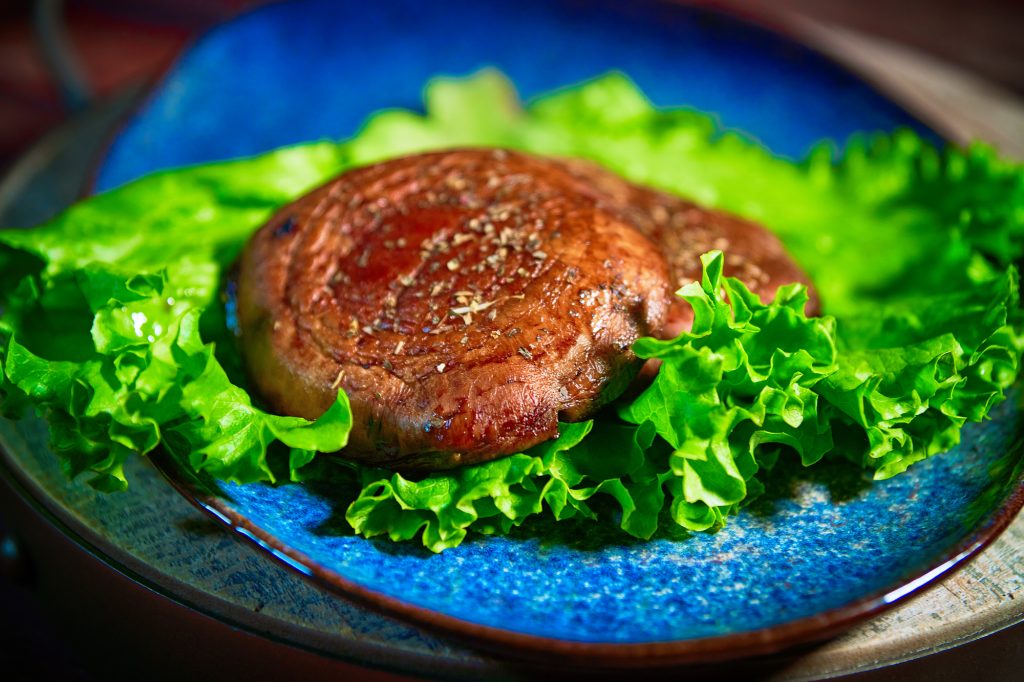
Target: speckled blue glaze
{"x":307,"y":70}
{"x":798,"y":555}
{"x":313,"y":69}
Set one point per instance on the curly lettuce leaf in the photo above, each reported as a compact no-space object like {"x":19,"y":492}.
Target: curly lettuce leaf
{"x":114,"y":358}
{"x":735,"y":386}
{"x":695,"y":438}
{"x":113,"y":328}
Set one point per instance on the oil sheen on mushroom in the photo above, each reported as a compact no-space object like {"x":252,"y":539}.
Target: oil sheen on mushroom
{"x":468,"y":300}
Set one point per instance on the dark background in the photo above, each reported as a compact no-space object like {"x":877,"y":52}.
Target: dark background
{"x":56,"y":58}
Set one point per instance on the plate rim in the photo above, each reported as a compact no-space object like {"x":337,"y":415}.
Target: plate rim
{"x":588,"y":655}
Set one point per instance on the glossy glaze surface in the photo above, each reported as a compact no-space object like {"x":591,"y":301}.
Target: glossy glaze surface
{"x":825,"y":544}
{"x":247,"y":86}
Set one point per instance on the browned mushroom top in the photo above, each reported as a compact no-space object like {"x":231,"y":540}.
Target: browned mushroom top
{"x":683,"y":230}
{"x":464,"y":300}
{"x":468,"y":300}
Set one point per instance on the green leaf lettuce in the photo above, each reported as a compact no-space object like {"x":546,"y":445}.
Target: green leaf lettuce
{"x":113,"y":327}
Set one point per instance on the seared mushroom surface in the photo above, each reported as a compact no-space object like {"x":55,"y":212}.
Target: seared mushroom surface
{"x":683,"y":230}
{"x":464,"y":300}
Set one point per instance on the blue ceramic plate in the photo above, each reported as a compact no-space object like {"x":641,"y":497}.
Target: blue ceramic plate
{"x":825,"y":548}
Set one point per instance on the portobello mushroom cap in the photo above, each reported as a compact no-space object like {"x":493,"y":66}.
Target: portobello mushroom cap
{"x":468,"y":300}
{"x":464,"y":300}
